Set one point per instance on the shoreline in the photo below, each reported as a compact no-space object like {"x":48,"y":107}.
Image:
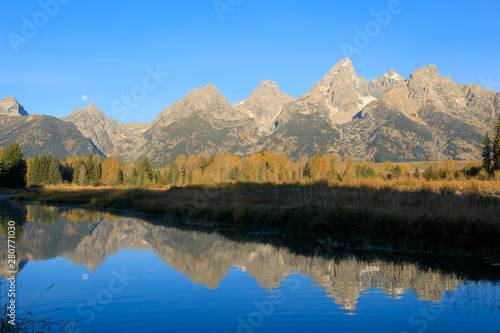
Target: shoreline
{"x":403,"y":221}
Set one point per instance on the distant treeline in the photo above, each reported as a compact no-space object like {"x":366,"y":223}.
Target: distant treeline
{"x":224,"y":168}
{"x":15,"y":171}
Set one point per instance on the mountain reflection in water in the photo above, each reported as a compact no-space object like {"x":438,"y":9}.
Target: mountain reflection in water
{"x":88,"y":237}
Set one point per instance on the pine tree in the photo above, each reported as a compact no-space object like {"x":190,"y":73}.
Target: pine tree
{"x":417,"y":173}
{"x":34,"y":172}
{"x":145,"y":172}
{"x":54,"y":175}
{"x":93,"y":169}
{"x":44,"y":168}
{"x":157,"y":177}
{"x":76,"y":170}
{"x":487,"y":149}
{"x":173,"y":173}
{"x":14,"y":168}
{"x":119,"y":177}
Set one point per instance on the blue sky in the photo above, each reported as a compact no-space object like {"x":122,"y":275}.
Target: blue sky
{"x":103,"y":49}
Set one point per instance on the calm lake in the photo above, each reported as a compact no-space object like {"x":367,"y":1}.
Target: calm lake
{"x":129,"y":274}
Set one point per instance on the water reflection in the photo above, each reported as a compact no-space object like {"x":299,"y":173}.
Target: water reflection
{"x":88,"y":238}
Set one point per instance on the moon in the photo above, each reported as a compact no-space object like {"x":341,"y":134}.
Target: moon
{"x":85,"y":97}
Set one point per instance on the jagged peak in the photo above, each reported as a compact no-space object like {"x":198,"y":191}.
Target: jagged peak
{"x":342,"y":68}
{"x":343,"y":65}
{"x":90,"y":109}
{"x":210,"y":88}
{"x":346,"y":63}
{"x":392,"y":74}
{"x":9,"y":98}
{"x":209,"y":91}
{"x":266,"y":87}
{"x":267,"y":84}
{"x":10,"y":106}
{"x":430,"y":71}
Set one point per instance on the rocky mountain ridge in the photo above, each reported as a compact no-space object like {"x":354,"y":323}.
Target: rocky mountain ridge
{"x":425,"y":117}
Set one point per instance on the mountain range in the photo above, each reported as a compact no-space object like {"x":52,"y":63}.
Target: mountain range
{"x":423,"y":117}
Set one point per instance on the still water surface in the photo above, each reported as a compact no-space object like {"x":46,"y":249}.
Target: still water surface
{"x":126,"y":274}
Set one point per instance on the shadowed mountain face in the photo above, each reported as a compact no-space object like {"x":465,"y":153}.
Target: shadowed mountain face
{"x":88,"y":238}
{"x":425,"y":117}
{"x":203,"y":122}
{"x":39,"y":134}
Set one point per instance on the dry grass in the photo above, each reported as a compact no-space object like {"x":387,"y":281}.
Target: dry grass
{"x":406,"y":214}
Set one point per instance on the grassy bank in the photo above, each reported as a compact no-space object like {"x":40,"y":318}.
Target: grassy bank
{"x":409,"y":219}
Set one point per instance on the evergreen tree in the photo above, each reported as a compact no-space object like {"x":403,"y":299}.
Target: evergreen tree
{"x":67,"y":172}
{"x":14,"y":167}
{"x":157,"y":177}
{"x":173,"y":173}
{"x":119,"y":177}
{"x":93,"y":170}
{"x":487,"y":149}
{"x":54,"y":175}
{"x":397,"y":172}
{"x":76,"y":170}
{"x":350,"y":170}
{"x":417,"y":173}
{"x":34,"y":172}
{"x":44,"y":168}
{"x":145,"y":172}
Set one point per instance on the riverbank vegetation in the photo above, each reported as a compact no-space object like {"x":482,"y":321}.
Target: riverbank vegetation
{"x":394,"y":216}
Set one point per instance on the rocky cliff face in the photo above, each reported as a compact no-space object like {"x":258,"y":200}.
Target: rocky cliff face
{"x":425,"y":117}
{"x":10,"y":107}
{"x":384,"y":83}
{"x":346,"y":94}
{"x":203,"y":122}
{"x":39,"y":134}
{"x":264,"y":105}
{"x":112,"y":138}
